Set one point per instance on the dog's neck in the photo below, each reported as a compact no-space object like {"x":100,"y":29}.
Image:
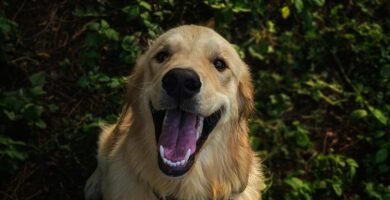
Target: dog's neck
{"x":159,"y":197}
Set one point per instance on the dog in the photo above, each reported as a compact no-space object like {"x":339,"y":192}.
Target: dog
{"x":182,"y":133}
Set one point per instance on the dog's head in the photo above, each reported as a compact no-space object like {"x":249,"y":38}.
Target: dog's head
{"x":190,"y":80}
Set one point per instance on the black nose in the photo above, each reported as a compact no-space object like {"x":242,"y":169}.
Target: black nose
{"x":181,"y":83}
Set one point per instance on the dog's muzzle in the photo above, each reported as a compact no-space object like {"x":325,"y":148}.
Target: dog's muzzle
{"x":181,"y":130}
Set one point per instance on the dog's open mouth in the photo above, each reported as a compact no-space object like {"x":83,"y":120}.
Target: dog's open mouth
{"x":179,"y":136}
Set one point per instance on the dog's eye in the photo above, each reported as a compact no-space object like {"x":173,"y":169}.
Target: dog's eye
{"x":219,"y":64}
{"x":161,"y":56}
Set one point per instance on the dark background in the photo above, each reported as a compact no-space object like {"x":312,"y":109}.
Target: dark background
{"x":321,"y":72}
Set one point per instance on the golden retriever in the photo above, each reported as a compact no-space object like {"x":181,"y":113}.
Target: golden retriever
{"x":182,"y":133}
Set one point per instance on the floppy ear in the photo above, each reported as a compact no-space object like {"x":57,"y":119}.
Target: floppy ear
{"x":245,"y":95}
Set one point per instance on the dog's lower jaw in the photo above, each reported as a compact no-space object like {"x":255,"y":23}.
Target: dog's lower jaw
{"x":195,"y":130}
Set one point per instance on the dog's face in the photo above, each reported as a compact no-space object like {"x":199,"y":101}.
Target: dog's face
{"x":192,"y":81}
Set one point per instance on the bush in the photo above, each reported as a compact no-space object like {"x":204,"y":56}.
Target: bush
{"x":321,"y":72}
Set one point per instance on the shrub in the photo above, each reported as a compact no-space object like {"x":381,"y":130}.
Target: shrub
{"x":320,"y":68}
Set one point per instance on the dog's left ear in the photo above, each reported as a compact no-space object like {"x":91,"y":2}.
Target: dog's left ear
{"x":245,"y":98}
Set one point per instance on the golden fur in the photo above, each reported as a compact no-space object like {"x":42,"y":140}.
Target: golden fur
{"x":225,"y":167}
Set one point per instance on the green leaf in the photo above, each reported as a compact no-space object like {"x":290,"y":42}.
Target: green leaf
{"x":132,"y":12}
{"x":6,"y":26}
{"x":53,"y":107}
{"x":11,"y":115}
{"x":337,"y":188}
{"x":379,"y":134}
{"x":128,"y":42}
{"x":298,"y":5}
{"x":146,"y":5}
{"x":385,"y":71}
{"x":115,"y":84}
{"x":111,"y":34}
{"x":271,"y":26}
{"x":218,"y":6}
{"x":93,"y":26}
{"x":358,"y":114}
{"x":381,"y":155}
{"x":302,"y":138}
{"x":241,"y":8}
{"x":104,"y":24}
{"x":255,"y":54}
{"x":370,"y":190}
{"x":37,"y":91}
{"x":38,"y":79}
{"x":32,"y":112}
{"x":379,"y":115}
{"x":294,"y":182}
{"x":103,"y":78}
{"x":14,"y":154}
{"x":40,"y":124}
{"x":352,"y":167}
{"x":319,"y":2}
{"x":320,"y":184}
{"x":285,"y":11}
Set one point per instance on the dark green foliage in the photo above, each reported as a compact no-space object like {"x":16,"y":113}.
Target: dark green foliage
{"x":321,"y":71}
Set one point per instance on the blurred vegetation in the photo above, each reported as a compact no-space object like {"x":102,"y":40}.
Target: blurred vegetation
{"x":321,"y":71}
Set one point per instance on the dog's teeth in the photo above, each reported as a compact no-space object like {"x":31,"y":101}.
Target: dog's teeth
{"x":199,"y":127}
{"x":162,"y":151}
{"x":197,"y":134}
{"x":173,"y":163}
{"x":187,"y":155}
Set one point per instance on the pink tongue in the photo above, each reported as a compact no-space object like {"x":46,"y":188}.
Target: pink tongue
{"x":178,"y":134}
